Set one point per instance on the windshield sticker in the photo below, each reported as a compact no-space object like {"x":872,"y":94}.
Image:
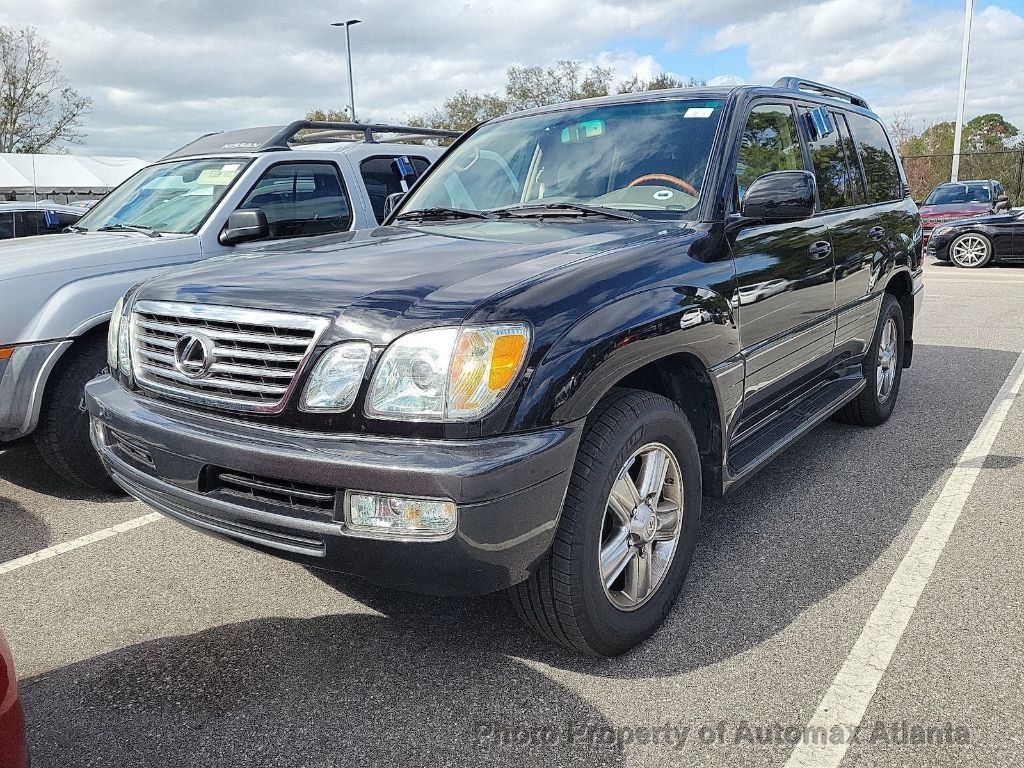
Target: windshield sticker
{"x":217,"y":176}
{"x":230,"y":167}
{"x":699,"y":112}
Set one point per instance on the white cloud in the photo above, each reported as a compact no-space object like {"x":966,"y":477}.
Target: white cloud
{"x":903,"y":57}
{"x":161,"y":73}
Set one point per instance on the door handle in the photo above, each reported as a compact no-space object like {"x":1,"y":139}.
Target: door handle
{"x":819,"y":249}
{"x":876,"y":233}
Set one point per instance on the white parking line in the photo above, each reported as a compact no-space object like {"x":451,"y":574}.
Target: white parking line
{"x":81,"y":541}
{"x":846,"y":701}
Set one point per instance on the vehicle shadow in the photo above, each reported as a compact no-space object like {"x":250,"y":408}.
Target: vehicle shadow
{"x":21,"y":532}
{"x":810,"y":522}
{"x":327,"y":691}
{"x":22,"y":466}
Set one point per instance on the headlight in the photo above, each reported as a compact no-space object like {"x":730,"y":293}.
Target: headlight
{"x":447,"y":373}
{"x":334,"y":383}
{"x":941,"y":231}
{"x":113,"y":333}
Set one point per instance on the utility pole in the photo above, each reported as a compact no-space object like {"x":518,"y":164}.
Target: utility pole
{"x":958,"y":132}
{"x":348,"y":55}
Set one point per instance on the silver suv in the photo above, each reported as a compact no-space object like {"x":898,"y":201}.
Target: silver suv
{"x":204,"y":200}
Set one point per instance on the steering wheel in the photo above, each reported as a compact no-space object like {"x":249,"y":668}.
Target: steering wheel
{"x":675,"y":181}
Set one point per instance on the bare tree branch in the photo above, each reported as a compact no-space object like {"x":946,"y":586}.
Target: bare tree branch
{"x":39,"y":111}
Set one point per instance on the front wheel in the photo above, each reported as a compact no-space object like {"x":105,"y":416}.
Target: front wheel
{"x":627,"y":529}
{"x":970,"y":251}
{"x":62,"y":436}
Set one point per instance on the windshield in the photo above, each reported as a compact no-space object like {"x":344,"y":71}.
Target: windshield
{"x":951,"y":194}
{"x":647,"y":158}
{"x":166,"y":197}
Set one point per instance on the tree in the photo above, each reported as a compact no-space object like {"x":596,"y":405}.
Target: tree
{"x":636,"y":84}
{"x":527,"y":87}
{"x":328,"y":115}
{"x":39,"y":111}
{"x":989,"y":133}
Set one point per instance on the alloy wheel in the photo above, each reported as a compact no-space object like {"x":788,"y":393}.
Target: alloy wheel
{"x":640,"y":530}
{"x":888,"y":359}
{"x":969,"y":251}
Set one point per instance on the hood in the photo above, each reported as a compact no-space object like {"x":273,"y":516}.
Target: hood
{"x":399,"y":276}
{"x":89,"y":252}
{"x":995,"y":218}
{"x":954,"y":210}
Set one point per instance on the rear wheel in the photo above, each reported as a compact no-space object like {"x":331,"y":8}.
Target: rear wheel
{"x":970,"y":251}
{"x":62,"y":436}
{"x":626,"y":533}
{"x":883,"y":369}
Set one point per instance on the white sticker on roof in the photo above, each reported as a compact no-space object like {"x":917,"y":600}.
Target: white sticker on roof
{"x":699,"y":112}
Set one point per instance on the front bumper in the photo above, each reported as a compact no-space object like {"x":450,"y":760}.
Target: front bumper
{"x":508,"y":489}
{"x":22,"y":383}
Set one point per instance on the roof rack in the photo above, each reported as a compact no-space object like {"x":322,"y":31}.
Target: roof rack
{"x":276,"y":138}
{"x":800,"y":84}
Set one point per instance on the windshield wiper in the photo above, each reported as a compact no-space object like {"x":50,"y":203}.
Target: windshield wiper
{"x":567,"y":209}
{"x":148,"y":231}
{"x":439,"y":214}
{"x":75,"y":228}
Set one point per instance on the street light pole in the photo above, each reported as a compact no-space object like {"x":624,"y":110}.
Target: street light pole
{"x":962,"y":96}
{"x":348,"y":55}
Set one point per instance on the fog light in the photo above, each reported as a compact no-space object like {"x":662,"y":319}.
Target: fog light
{"x":99,"y":434}
{"x":398,"y":516}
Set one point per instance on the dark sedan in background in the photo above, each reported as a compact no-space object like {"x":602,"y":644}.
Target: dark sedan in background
{"x":973,"y":243}
{"x":13,"y":752}
{"x":962,"y":200}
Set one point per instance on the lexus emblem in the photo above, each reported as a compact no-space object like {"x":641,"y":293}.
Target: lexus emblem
{"x":193,"y":355}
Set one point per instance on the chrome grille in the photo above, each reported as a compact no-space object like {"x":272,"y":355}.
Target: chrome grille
{"x":256,"y":354}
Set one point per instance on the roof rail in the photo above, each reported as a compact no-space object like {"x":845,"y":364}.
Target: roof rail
{"x":281,"y":139}
{"x":273,"y":138}
{"x":800,"y":84}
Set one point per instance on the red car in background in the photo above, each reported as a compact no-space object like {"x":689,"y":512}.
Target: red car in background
{"x":955,"y":200}
{"x":13,"y":749}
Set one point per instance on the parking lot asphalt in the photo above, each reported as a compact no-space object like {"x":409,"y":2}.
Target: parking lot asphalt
{"x":159,"y":646}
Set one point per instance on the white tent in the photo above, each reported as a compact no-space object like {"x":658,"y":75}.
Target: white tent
{"x":22,"y":174}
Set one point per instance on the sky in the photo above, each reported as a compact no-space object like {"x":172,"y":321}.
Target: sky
{"x":161,"y":72}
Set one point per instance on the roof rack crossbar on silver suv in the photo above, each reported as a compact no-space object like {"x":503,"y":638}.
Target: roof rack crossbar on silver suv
{"x":800,"y":84}
{"x":275,"y":138}
{"x":281,"y":139}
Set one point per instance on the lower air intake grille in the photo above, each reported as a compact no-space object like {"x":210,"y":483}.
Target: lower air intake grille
{"x":283,"y":493}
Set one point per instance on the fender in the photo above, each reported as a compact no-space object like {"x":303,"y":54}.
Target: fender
{"x":621,"y":337}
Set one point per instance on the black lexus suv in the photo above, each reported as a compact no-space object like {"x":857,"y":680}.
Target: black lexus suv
{"x":579,"y":321}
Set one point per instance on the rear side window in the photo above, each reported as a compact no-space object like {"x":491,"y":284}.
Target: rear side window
{"x":881,"y":170}
{"x":380,"y":180}
{"x":769,"y":143}
{"x":833,"y":170}
{"x":858,"y":195}
{"x":28,"y":223}
{"x":301,"y":200}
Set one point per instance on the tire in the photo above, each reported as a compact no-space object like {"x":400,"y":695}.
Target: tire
{"x":566,"y":599}
{"x":62,"y":435}
{"x":970,"y":251}
{"x":883,"y":370}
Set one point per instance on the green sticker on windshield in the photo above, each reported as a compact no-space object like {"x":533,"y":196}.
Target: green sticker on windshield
{"x":588,"y":129}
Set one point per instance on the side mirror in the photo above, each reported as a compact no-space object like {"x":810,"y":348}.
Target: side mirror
{"x":245,"y":225}
{"x":391,"y":202}
{"x":1002,"y":203}
{"x":780,"y":196}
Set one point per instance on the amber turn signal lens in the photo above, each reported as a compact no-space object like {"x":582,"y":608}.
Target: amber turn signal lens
{"x":505,"y":359}
{"x":6,"y":352}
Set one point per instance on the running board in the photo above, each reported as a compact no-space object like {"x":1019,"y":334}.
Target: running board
{"x":789,"y":426}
